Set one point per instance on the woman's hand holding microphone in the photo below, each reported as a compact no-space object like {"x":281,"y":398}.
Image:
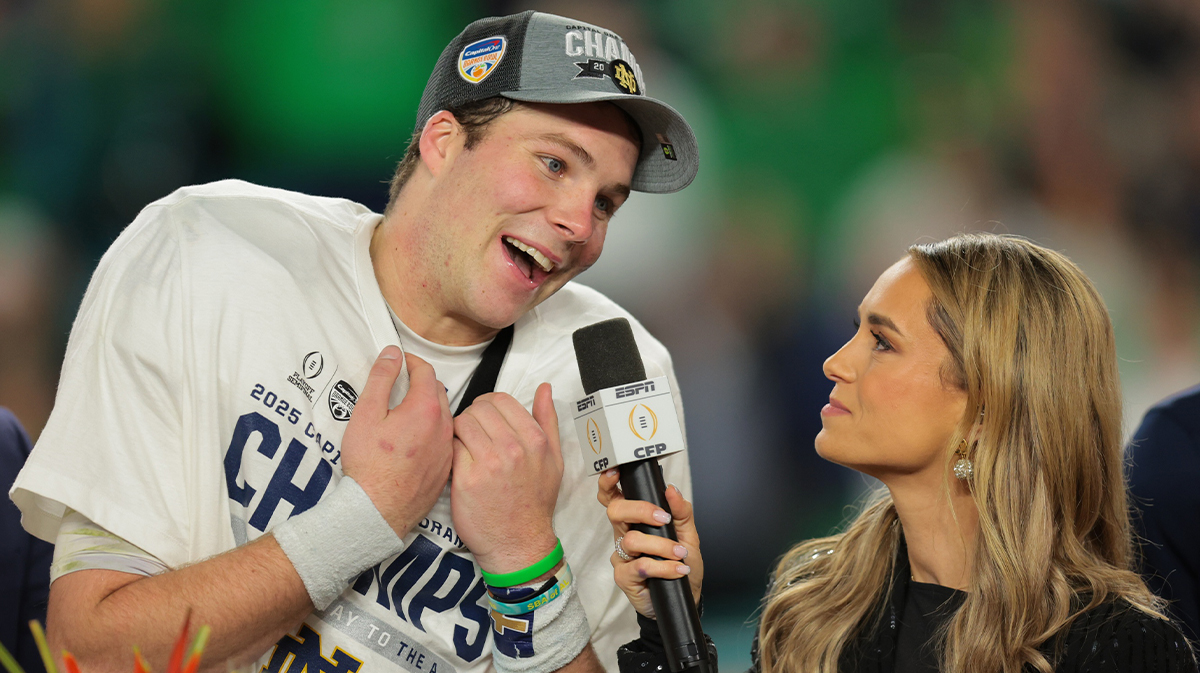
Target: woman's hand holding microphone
{"x":679,"y":558}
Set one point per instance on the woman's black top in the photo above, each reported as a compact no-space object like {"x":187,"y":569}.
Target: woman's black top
{"x":928,"y":607}
{"x":1114,"y":637}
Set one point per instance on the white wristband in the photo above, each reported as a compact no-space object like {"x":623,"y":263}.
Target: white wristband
{"x":541,"y":641}
{"x":332,"y":543}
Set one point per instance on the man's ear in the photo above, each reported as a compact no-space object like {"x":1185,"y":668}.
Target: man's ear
{"x":441,"y":140}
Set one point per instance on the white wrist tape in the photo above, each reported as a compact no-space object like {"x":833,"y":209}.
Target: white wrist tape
{"x":541,"y":641}
{"x":332,"y":543}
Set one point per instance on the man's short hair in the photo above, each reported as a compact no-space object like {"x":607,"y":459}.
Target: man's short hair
{"x":474,"y":117}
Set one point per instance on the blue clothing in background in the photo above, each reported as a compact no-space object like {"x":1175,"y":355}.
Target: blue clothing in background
{"x":1164,"y":480}
{"x":24,"y":559}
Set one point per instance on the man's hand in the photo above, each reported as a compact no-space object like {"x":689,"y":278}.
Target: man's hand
{"x":507,"y":470}
{"x":400,"y":457}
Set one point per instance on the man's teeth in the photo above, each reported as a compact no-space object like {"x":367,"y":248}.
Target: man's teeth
{"x":538,"y":257}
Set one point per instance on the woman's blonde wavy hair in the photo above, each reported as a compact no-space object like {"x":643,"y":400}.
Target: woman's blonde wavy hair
{"x":1031,"y":343}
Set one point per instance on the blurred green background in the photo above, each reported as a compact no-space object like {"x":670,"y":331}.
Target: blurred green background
{"x":833,"y":135}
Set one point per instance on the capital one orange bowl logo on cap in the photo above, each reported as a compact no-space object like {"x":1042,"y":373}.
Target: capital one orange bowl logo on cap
{"x":480,"y":58}
{"x":643,"y":422}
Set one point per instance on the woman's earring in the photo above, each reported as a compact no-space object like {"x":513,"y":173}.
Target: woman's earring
{"x":963,"y":468}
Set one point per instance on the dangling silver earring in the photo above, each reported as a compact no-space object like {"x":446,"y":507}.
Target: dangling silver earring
{"x":963,"y":468}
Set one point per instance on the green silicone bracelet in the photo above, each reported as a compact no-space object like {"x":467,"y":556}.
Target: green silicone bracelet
{"x":512,"y":579}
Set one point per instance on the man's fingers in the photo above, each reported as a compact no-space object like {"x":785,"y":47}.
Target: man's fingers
{"x":546,"y":416}
{"x":378,"y":388}
{"x":510,"y":418}
{"x":444,"y":400}
{"x":462,"y":457}
{"x":468,"y":430}
{"x":483,"y":421}
{"x":421,"y":377}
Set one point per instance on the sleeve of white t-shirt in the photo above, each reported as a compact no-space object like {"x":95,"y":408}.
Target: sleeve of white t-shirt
{"x":113,"y":448}
{"x":82,"y":544}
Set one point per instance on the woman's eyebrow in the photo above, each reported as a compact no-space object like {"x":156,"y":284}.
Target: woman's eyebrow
{"x":883,"y":321}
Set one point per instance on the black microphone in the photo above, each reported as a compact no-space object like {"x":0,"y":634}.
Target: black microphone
{"x":608,"y":356}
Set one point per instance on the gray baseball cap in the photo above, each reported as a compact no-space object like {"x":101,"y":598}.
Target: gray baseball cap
{"x":543,"y":58}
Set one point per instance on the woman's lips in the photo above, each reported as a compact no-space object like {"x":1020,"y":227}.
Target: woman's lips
{"x":834,"y":408}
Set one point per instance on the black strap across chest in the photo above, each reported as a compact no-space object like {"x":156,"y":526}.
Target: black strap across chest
{"x":483,"y":380}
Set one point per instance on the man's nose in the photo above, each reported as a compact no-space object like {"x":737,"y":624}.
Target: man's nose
{"x":573,"y":215}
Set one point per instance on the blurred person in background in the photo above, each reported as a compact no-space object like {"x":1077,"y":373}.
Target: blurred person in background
{"x":746,"y":342}
{"x":33,"y":272}
{"x":24,"y":559}
{"x":981,"y":389}
{"x":202,"y":452}
{"x":1164,"y":468}
{"x":1101,"y":120}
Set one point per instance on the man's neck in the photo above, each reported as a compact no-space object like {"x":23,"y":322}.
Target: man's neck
{"x":414,"y":294}
{"x":446,"y":330}
{"x":940,"y":530}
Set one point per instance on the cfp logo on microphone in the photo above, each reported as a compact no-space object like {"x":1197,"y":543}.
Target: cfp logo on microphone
{"x":627,"y":423}
{"x":593,"y":435}
{"x":643,"y":422}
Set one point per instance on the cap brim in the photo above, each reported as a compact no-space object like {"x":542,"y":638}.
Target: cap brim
{"x":664,"y":133}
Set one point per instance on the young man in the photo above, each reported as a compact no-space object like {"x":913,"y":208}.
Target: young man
{"x":226,"y":440}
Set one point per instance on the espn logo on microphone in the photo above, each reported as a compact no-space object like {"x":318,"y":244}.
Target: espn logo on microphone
{"x":628,"y":423}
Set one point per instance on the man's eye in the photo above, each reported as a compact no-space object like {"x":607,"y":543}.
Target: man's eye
{"x":555,"y":165}
{"x":603,"y":204}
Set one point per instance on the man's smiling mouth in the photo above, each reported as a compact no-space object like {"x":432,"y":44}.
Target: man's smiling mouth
{"x":527,"y":257}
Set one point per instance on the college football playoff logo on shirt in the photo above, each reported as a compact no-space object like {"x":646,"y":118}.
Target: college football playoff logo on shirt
{"x":314,"y":364}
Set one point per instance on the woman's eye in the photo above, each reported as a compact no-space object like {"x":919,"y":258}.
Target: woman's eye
{"x":555,"y":165}
{"x":603,"y":204}
{"x":881,"y":344}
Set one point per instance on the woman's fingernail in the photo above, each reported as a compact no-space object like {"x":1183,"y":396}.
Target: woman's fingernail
{"x":390,"y":353}
{"x":682,"y":569}
{"x":681,"y":551}
{"x":611,"y":473}
{"x":661,"y":516}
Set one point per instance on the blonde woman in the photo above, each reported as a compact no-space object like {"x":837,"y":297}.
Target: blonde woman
{"x":981,"y":389}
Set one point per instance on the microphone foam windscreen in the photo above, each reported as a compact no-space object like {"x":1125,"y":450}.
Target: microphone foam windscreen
{"x":608,"y":355}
